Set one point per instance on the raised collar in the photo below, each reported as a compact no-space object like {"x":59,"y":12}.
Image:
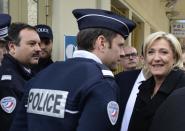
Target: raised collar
{"x":86,"y":54}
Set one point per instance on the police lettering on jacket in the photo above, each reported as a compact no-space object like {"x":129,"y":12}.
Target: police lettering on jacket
{"x":47,"y":102}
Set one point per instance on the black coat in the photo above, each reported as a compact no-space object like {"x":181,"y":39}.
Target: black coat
{"x":145,"y":106}
{"x":12,"y":79}
{"x":42,"y":64}
{"x":125,"y":81}
{"x":171,"y":114}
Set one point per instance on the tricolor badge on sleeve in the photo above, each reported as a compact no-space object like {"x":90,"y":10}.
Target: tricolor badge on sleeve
{"x":8,"y":104}
{"x":113,"y":111}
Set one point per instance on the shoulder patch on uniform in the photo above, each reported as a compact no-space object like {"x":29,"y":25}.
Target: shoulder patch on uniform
{"x":6,"y":77}
{"x":8,"y":104}
{"x":107,"y":73}
{"x":113,"y":111}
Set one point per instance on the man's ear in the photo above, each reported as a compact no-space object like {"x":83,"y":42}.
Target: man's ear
{"x":100,"y":43}
{"x":11,"y":47}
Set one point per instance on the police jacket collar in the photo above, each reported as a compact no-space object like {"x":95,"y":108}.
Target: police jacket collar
{"x":86,"y":54}
{"x":11,"y":62}
{"x":43,"y":63}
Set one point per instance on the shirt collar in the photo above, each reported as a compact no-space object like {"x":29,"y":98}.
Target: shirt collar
{"x":86,"y":54}
{"x":140,"y":77}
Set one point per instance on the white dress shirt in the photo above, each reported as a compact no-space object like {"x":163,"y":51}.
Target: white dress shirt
{"x":131,"y":102}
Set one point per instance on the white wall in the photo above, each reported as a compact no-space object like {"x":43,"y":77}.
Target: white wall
{"x":64,"y":23}
{"x":18,"y":10}
{"x":152,"y":11}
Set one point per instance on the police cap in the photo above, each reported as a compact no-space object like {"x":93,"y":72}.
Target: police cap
{"x":97,"y":18}
{"x":44,"y":31}
{"x":5,"y":21}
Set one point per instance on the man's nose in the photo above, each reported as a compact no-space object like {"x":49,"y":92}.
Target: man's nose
{"x":37,"y":47}
{"x":122,"y":53}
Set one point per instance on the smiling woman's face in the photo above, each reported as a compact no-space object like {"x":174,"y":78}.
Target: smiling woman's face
{"x":160,"y":58}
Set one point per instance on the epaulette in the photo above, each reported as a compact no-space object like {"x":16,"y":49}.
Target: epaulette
{"x":5,"y":74}
{"x":6,"y":77}
{"x":105,"y":71}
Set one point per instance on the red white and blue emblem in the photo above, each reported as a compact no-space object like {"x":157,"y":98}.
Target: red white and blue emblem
{"x":8,"y":104}
{"x":113,"y":111}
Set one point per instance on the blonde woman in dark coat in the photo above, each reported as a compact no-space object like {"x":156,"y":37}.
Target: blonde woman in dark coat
{"x":163,"y":59}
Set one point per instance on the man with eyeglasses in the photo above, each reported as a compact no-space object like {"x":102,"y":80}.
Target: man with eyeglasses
{"x":129,"y":80}
{"x":130,"y":60}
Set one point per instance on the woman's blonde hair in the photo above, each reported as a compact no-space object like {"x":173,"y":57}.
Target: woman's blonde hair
{"x":174,"y":44}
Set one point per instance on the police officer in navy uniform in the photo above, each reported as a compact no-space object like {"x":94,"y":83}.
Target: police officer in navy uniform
{"x":5,"y":20}
{"x":23,"y":51}
{"x":79,"y":94}
{"x":46,"y":37}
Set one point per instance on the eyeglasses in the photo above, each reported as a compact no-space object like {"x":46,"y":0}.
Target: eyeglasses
{"x":127,"y":56}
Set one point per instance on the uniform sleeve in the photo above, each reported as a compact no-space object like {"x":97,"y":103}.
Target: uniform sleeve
{"x":100,"y":110}
{"x":20,"y":120}
{"x":9,"y":98}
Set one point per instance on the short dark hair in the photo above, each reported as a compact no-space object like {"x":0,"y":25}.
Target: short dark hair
{"x":15,"y":29}
{"x":86,"y":38}
{"x":2,"y":43}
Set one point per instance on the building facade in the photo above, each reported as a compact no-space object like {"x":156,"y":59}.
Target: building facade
{"x":149,"y":15}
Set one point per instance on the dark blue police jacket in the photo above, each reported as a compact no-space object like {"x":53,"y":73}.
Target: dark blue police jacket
{"x":43,"y":63}
{"x":76,"y":95}
{"x":12,"y":79}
